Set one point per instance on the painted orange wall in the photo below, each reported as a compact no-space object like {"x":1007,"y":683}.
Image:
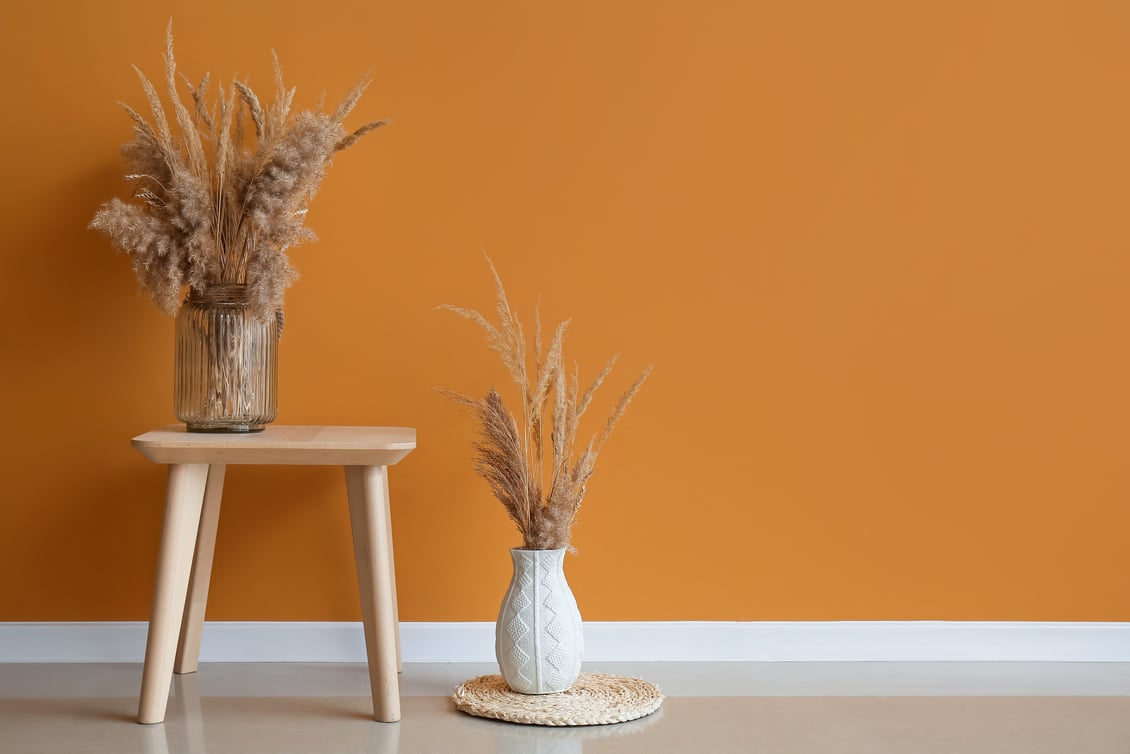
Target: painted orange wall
{"x":878,"y":253}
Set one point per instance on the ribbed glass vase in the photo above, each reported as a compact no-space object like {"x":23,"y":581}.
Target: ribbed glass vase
{"x":226,"y":369}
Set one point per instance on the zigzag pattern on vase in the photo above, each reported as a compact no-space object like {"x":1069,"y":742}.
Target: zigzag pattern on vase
{"x":518,"y":629}
{"x":554,"y":632}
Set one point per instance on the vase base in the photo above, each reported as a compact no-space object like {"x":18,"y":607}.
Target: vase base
{"x":226,"y":429}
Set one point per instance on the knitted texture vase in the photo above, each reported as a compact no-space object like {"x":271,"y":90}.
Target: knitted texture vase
{"x":538,"y":638}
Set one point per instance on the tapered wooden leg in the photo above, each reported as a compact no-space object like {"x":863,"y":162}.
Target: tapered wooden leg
{"x":368,"y":513}
{"x":188,"y":648}
{"x":392,"y":578}
{"x":184,"y":499}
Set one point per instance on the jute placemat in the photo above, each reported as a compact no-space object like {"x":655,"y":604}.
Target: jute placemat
{"x":594,"y":699}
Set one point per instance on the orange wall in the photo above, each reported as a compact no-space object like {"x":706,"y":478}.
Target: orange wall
{"x":878,"y":253}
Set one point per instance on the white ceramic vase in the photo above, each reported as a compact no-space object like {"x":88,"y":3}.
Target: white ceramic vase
{"x":538,"y":638}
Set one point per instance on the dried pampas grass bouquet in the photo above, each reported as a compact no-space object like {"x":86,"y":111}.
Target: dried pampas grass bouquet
{"x":541,"y":487}
{"x":221,"y":186}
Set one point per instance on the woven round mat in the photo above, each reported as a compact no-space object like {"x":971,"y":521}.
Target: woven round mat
{"x":594,"y":699}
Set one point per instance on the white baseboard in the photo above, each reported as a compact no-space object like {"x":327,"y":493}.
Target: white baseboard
{"x":697,"y":641}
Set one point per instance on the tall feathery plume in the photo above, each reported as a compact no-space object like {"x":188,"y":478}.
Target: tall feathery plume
{"x":509,"y":452}
{"x":190,"y":131}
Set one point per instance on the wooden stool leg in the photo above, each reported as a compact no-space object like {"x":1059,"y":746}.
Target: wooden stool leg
{"x":392,"y":577}
{"x":188,"y":648}
{"x":368,"y":513}
{"x":184,"y":499}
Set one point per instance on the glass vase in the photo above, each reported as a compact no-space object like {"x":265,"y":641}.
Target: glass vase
{"x":226,"y":365}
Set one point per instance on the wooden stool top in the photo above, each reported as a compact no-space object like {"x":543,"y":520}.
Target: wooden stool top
{"x":280,"y":444}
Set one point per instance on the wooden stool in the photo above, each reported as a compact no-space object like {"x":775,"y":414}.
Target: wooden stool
{"x":192,"y":510}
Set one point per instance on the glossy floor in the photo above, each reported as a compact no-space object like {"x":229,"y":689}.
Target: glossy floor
{"x":801,"y":708}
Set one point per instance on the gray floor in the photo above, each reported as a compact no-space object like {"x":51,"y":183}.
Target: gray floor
{"x":762,"y":708}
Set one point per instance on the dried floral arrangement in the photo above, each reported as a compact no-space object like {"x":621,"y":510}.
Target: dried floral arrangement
{"x":212,"y":210}
{"x":510,"y":455}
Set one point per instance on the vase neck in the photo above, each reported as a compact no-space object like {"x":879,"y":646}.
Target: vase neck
{"x":523,"y":558}
{"x":220,"y":293}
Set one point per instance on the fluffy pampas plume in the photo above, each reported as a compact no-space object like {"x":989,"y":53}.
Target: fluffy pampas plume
{"x":209,"y":208}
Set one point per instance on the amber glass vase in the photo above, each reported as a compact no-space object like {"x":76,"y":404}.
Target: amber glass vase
{"x":226,"y":363}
